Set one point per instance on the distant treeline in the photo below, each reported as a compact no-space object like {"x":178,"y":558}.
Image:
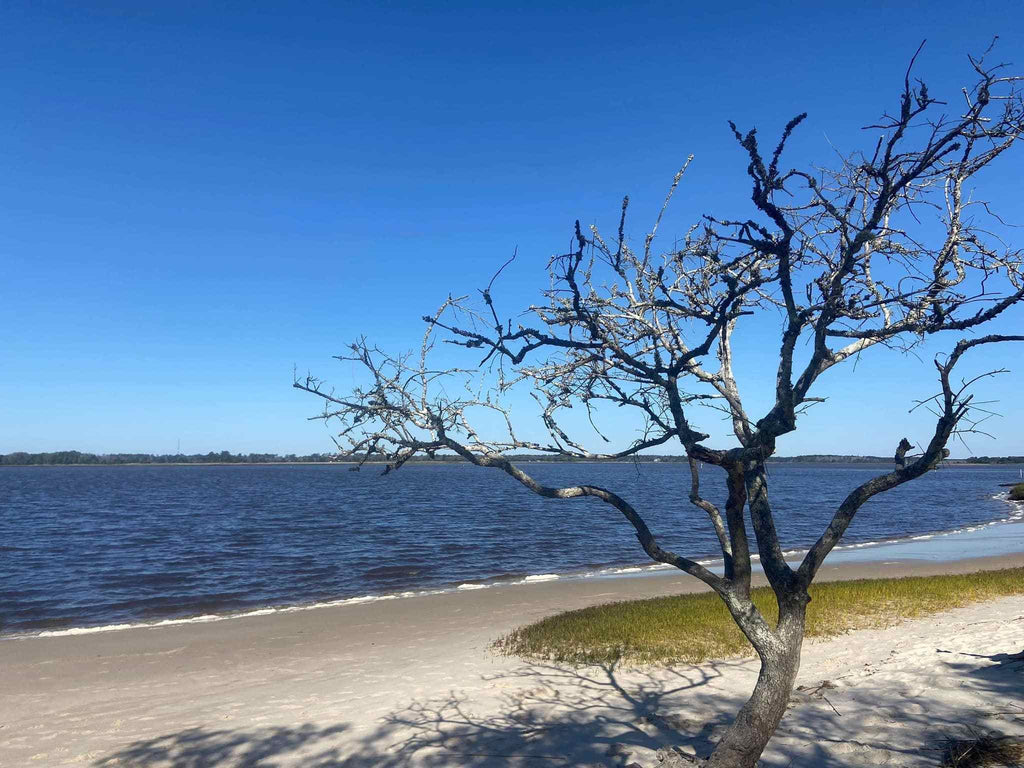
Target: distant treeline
{"x":676,"y":458}
{"x":226,"y":457}
{"x":812,"y":458}
{"x":829,"y":459}
{"x":993,"y":460}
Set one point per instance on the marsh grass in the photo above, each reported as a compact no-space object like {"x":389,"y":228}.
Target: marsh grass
{"x":697,"y":627}
{"x":1017,"y":492}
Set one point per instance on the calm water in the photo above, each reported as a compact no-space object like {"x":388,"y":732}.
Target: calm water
{"x":86,"y":546}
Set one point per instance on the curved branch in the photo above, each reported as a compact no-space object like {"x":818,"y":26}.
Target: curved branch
{"x":954,"y":406}
{"x":643,"y":533}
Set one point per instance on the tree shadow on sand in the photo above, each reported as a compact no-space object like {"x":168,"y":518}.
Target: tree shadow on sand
{"x":217,"y":748}
{"x":564,"y":716}
{"x":912,"y":718}
{"x":550,"y":715}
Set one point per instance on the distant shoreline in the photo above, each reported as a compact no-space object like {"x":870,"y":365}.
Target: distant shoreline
{"x":194,"y":464}
{"x":781,"y":460}
{"x":216,"y":458}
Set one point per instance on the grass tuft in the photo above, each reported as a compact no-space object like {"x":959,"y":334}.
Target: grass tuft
{"x":1017,"y":492}
{"x":984,"y":751}
{"x":697,"y":627}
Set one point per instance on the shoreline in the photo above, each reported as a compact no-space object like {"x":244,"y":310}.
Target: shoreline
{"x":504,"y":601}
{"x":362,"y":675}
{"x":1003,"y":537}
{"x":625,"y":584}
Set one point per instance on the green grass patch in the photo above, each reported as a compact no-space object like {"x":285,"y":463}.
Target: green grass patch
{"x":697,"y":627}
{"x":1017,"y":492}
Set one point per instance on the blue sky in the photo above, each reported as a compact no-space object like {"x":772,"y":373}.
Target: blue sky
{"x":198,"y":196}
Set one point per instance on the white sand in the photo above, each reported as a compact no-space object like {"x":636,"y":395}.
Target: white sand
{"x":412,"y":683}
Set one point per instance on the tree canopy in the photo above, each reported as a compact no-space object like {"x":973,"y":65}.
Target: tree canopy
{"x":890,"y":246}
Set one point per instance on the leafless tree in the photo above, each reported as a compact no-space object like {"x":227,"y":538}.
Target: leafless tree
{"x":840,"y":260}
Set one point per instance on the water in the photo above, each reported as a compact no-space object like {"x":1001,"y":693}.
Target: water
{"x":91,"y":546}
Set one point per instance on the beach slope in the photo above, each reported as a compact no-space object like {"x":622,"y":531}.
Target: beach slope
{"x":413,"y":683}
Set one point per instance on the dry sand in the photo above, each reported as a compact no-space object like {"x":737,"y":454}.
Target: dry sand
{"x":411,"y":682}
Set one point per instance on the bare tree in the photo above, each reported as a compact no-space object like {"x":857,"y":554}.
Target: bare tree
{"x":886,"y":249}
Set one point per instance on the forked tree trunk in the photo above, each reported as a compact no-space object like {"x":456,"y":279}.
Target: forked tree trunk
{"x":744,"y":741}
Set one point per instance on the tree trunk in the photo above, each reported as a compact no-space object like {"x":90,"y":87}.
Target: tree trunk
{"x":745,"y":740}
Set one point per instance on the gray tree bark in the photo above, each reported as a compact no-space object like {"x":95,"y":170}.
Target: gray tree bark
{"x":745,"y":739}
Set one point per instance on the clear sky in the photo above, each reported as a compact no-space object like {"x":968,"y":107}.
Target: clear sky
{"x":197,"y":196}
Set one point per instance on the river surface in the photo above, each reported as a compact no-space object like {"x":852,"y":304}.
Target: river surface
{"x":96,"y":546}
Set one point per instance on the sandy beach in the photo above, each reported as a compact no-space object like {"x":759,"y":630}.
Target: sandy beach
{"x":413,"y":683}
